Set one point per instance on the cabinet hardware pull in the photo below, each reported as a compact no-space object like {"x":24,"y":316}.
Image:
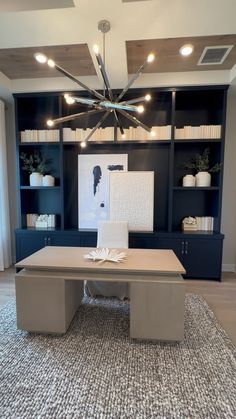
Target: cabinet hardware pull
{"x":49,"y":241}
{"x":186,"y":248}
{"x":45,"y":241}
{"x":182,"y":248}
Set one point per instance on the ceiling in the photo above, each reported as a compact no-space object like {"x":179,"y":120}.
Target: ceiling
{"x":66,"y":31}
{"x":24,"y":5}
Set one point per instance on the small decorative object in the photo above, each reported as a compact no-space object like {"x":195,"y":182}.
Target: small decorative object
{"x":45,"y":221}
{"x":42,"y":221}
{"x":200,"y":164}
{"x":36,"y":179}
{"x":189,"y":224}
{"x":36,"y":166}
{"x":203,"y":179}
{"x":189,"y":181}
{"x":104,"y":254}
{"x":48,"y":180}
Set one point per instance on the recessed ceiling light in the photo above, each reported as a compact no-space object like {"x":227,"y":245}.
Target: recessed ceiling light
{"x":186,"y":49}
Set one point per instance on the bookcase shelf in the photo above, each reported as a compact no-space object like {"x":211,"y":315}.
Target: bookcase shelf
{"x":39,"y":187}
{"x":195,"y":188}
{"x":170,"y":107}
{"x":39,"y":143}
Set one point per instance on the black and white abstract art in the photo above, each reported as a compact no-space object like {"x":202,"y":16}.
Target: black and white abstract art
{"x":93,"y":184}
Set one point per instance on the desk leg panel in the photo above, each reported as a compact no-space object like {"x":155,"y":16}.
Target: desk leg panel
{"x":157,"y":310}
{"x":45,"y":304}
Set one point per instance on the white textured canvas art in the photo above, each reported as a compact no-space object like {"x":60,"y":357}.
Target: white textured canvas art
{"x":132,"y":199}
{"x":93,"y":186}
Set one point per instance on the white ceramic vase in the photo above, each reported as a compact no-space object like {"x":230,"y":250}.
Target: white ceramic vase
{"x":189,"y":181}
{"x":48,"y":180}
{"x":203,"y":179}
{"x":36,"y":179}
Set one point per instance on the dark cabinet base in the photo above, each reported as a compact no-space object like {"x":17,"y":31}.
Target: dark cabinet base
{"x":200,"y":254}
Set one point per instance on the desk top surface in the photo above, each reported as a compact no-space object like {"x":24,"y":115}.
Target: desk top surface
{"x":72,"y":259}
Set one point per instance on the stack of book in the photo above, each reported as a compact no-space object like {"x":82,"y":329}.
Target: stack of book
{"x":201,"y":131}
{"x":80,"y":134}
{"x":39,"y":135}
{"x":139,"y":134}
{"x":205,"y":223}
{"x":41,"y":220}
{"x":198,"y":224}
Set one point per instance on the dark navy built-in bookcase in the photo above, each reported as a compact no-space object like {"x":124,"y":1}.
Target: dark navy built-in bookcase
{"x":200,"y":251}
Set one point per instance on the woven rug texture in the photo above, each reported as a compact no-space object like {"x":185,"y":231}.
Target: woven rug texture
{"x":96,"y":371}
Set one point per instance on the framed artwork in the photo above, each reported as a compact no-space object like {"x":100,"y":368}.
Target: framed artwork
{"x":132,"y":199}
{"x":93,"y":186}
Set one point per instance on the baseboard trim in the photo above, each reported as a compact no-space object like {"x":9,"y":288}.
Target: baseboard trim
{"x":228,"y":267}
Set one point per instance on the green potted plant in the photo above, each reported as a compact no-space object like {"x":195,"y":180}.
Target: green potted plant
{"x":36,"y":166}
{"x":201,"y":166}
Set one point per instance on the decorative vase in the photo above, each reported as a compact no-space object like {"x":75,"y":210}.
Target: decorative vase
{"x":203,"y":179}
{"x":48,"y":180}
{"x":36,"y":179}
{"x":189,"y":181}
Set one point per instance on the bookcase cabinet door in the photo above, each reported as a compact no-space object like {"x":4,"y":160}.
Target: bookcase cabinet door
{"x":29,"y":242}
{"x":201,"y":257}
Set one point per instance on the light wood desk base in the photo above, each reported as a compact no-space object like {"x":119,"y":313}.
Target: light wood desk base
{"x":47,"y":298}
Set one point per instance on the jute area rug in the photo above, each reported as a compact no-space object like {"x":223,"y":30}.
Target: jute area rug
{"x":96,"y":371}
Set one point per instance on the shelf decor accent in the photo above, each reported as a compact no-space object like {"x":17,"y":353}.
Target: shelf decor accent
{"x":36,"y":166}
{"x":104,"y":254}
{"x":106,"y":102}
{"x":188,"y":181}
{"x":200,"y":164}
{"x":48,"y":180}
{"x":189,"y":224}
{"x":203,"y":179}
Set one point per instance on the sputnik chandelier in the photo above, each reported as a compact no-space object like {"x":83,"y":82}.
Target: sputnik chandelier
{"x":105,"y":102}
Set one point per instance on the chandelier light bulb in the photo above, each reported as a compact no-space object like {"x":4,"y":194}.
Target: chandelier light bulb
{"x":96,"y":49}
{"x":148,"y":98}
{"x":123,"y":136}
{"x":152,"y":133}
{"x":83,"y":144}
{"x":186,"y":50}
{"x":150,"y":58}
{"x":51,"y":63}
{"x":41,"y":58}
{"x":140,"y":109}
{"x":50,"y":123}
{"x":69,"y":100}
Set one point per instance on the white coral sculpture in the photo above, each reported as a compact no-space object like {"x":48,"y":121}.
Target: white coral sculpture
{"x":105,"y":254}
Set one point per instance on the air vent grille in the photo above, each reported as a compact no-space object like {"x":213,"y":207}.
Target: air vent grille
{"x":214,"y":55}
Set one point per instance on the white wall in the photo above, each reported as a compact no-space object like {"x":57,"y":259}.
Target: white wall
{"x":229,"y":185}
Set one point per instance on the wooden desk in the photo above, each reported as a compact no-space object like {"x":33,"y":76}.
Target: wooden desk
{"x":50,"y":287}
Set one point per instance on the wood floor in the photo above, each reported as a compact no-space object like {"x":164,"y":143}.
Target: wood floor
{"x":220,"y":296}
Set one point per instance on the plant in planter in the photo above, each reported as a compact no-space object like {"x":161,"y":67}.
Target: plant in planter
{"x":36,"y":166}
{"x":201,"y":166}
